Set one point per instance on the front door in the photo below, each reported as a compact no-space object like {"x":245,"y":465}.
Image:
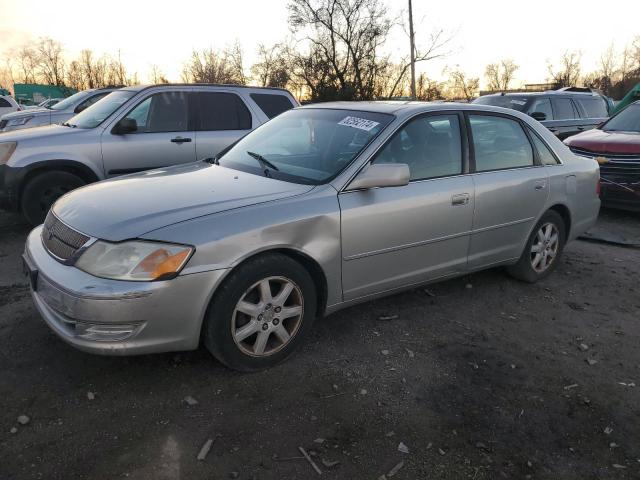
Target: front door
{"x":164,"y":136}
{"x":566,"y":119}
{"x":511,"y":189}
{"x":398,"y":236}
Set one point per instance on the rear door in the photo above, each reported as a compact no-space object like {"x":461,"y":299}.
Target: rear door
{"x":221,"y":118}
{"x":566,"y":119}
{"x":511,"y":188}
{"x":593,"y":110}
{"x":164,"y":136}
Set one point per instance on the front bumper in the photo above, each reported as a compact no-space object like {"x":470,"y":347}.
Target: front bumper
{"x":623,"y":196}
{"x":113,"y":317}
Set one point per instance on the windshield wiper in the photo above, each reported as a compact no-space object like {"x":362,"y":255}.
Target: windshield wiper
{"x":67,"y":124}
{"x":264,"y":163}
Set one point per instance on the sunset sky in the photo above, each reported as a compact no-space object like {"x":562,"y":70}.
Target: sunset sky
{"x":164,"y":33}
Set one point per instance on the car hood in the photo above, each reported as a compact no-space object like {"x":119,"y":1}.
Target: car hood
{"x":44,"y":131}
{"x":130,"y":206}
{"x":599,"y":141}
{"x":32,"y":112}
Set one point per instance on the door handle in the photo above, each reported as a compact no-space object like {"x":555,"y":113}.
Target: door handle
{"x":460,"y":199}
{"x":540,"y":185}
{"x":553,"y":129}
{"x":581,"y":128}
{"x":180,"y":140}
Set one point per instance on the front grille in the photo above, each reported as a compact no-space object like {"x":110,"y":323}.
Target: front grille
{"x":618,"y":157}
{"x":59,"y":239}
{"x":3,"y":123}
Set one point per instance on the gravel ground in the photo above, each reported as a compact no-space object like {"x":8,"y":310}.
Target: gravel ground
{"x":480,"y":377}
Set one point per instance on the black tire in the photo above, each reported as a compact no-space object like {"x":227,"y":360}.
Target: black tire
{"x":41,"y":191}
{"x":219,"y":322}
{"x":524,"y":270}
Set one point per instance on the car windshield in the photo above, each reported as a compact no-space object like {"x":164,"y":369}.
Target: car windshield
{"x":99,"y":111}
{"x":628,"y":120}
{"x":505,"y":101}
{"x":309,"y":145}
{"x":69,"y":101}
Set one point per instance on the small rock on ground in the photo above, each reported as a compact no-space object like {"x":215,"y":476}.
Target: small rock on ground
{"x":23,"y":419}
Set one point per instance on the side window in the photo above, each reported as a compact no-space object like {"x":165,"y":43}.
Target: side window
{"x":499,"y":143}
{"x":4,"y":103}
{"x":90,"y":101}
{"x":564,"y":109}
{"x":594,"y":107}
{"x":222,"y":111}
{"x":162,"y":112}
{"x":542,"y":105}
{"x":430,"y":145}
{"x":272,"y":104}
{"x":544,"y":153}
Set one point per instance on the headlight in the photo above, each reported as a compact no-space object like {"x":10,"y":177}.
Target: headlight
{"x":18,"y":121}
{"x":6,"y":150}
{"x":134,"y":260}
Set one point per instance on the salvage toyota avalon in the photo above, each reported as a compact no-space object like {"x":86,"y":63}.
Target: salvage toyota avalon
{"x":321,"y":208}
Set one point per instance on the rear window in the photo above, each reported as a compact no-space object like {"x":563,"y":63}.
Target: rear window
{"x":594,"y":107}
{"x":515,"y":102}
{"x":272,"y":104}
{"x":4,"y":103}
{"x":222,"y":111}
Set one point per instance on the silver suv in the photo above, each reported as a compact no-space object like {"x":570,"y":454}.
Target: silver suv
{"x":58,"y":113}
{"x":130,"y":130}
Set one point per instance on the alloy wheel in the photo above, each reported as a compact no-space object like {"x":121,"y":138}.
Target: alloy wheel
{"x":545,"y":247}
{"x":267,"y":316}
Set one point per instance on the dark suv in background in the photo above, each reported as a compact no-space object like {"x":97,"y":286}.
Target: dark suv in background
{"x":564,"y":112}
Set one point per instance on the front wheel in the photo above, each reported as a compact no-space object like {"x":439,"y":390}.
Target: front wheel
{"x":40,"y":193}
{"x":543,"y":249}
{"x":261,"y":313}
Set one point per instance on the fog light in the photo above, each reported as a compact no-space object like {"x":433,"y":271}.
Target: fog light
{"x":106,"y":333}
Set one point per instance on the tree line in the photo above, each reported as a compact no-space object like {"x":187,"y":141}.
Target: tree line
{"x":336,"y":51}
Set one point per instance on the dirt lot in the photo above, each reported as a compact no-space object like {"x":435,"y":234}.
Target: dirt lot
{"x":480,"y":377}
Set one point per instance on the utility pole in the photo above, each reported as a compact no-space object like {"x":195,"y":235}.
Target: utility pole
{"x":413,"y":53}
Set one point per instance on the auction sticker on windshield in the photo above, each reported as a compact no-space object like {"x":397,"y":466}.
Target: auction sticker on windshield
{"x":361,"y":123}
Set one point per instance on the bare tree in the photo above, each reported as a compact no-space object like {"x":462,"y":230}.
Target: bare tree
{"x":500,"y":75}
{"x":568,"y":73}
{"x":75,"y":76}
{"x":345,"y":37}
{"x":156,"y":75}
{"x":211,"y":66}
{"x":460,"y":86}
{"x":26,"y":58}
{"x":51,"y":62}
{"x":427,"y":89}
{"x":271,"y":70}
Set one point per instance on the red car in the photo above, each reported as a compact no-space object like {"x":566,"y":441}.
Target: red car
{"x":616,"y":146}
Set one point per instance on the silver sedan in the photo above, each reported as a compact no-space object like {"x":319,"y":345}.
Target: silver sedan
{"x":323,"y":207}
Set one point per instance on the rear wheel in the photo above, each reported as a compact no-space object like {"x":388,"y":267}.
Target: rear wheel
{"x":261,"y":313}
{"x":43,"y":190}
{"x":543,"y":249}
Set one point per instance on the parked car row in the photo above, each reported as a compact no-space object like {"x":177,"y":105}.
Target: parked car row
{"x":320,"y":208}
{"x":564,"y":112}
{"x":124,"y":131}
{"x":580,"y":117}
{"x":615,"y":145}
{"x":52,"y":114}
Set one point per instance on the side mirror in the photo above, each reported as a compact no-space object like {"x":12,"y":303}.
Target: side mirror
{"x":126,"y":125}
{"x":381,"y":175}
{"x":540,"y":116}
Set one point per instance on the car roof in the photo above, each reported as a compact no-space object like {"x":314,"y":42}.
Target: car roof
{"x":404,"y":108}
{"x":139,"y":88}
{"x":537,"y":94}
